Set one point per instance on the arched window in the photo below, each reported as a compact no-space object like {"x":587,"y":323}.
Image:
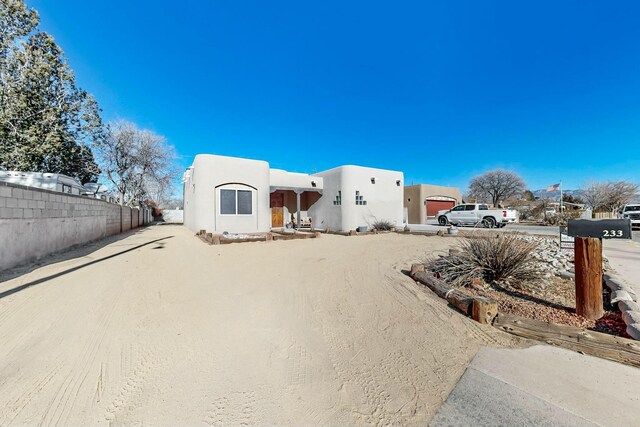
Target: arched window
{"x":236,"y":199}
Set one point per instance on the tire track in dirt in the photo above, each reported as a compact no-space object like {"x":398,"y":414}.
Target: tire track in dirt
{"x":67,"y":396}
{"x":133,"y":379}
{"x":16,"y":406}
{"x":239,"y":408}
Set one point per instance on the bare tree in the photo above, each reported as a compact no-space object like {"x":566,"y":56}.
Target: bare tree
{"x":138,"y":163}
{"x":611,"y":195}
{"x":496,"y":186}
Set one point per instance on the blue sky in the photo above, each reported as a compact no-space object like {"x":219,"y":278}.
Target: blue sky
{"x":439,"y":90}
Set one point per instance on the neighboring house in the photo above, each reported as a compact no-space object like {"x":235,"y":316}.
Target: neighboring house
{"x":423,"y":201}
{"x":240,"y":195}
{"x":46,"y":181}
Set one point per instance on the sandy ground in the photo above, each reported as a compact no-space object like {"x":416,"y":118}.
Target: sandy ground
{"x":176,"y":332}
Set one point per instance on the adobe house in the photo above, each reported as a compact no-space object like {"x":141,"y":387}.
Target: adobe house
{"x":356,"y":196}
{"x":239,"y":195}
{"x":423,"y":201}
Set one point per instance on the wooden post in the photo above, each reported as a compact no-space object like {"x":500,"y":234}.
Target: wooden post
{"x":588,"y":267}
{"x":484,"y":310}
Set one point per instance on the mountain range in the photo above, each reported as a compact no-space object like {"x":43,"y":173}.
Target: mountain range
{"x":555,"y":195}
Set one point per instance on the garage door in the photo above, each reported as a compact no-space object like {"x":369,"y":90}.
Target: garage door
{"x":433,"y":206}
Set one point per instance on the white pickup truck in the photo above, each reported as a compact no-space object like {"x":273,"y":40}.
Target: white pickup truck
{"x":633,"y":213}
{"x":475,"y":214}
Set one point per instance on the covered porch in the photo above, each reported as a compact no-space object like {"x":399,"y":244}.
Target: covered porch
{"x":292,"y":194}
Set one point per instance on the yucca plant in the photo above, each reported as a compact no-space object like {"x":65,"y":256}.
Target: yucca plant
{"x":506,"y":259}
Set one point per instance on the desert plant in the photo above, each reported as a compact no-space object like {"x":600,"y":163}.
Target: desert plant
{"x":557,"y":219}
{"x":506,"y":259}
{"x":382,"y":225}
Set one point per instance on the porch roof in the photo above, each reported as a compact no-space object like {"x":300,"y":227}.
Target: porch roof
{"x":298,"y":182}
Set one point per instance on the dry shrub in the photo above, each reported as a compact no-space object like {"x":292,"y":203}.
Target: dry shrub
{"x":506,"y":259}
{"x":557,"y":219}
{"x":382,"y":225}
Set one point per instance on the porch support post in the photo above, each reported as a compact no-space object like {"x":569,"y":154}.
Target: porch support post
{"x":298,"y":210}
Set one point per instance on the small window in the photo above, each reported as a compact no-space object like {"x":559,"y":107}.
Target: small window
{"x":244,"y":202}
{"x":360,"y":199}
{"x":66,"y":188}
{"x":458,"y":208}
{"x":313,"y":183}
{"x":398,"y":182}
{"x":469,"y":207}
{"x":338,"y":199}
{"x":373,"y":179}
{"x":227,"y":202}
{"x":483,"y":208}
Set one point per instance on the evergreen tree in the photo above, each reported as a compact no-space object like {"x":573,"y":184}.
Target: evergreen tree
{"x":47,"y":123}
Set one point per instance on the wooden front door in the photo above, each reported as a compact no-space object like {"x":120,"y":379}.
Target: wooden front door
{"x":277,"y":209}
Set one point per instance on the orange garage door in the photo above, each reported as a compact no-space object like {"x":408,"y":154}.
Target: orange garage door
{"x":433,"y":206}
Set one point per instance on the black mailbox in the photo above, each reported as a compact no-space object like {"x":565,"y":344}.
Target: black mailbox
{"x":600,"y":228}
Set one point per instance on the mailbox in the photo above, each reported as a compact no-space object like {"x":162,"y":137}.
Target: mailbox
{"x":600,"y":228}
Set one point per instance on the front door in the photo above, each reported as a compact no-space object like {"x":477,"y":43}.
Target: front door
{"x":277,"y":209}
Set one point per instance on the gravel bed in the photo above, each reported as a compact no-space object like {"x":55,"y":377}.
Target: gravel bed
{"x":526,"y":304}
{"x":552,"y":300}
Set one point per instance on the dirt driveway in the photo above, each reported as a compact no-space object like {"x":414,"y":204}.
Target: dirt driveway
{"x":160,"y":329}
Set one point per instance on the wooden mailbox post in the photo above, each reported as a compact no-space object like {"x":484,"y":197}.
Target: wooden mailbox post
{"x":588,"y":235}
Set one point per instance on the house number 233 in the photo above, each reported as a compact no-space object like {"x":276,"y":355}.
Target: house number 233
{"x":612,"y":233}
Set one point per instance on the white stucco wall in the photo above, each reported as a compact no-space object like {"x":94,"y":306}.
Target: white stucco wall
{"x":173,"y":216}
{"x":203,"y":182}
{"x":384,"y":198}
{"x":288,"y":180}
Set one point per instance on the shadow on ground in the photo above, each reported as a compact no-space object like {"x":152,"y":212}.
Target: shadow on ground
{"x":73,"y":254}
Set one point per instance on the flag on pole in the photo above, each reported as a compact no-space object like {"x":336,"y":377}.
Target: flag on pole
{"x":554,"y":187}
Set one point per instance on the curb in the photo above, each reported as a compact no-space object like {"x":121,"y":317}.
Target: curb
{"x":627,"y":302}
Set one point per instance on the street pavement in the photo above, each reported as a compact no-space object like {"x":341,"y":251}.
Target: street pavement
{"x":624,"y":258}
{"x":542,"y":386}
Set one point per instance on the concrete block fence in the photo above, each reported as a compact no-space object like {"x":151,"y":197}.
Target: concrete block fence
{"x":36,"y":222}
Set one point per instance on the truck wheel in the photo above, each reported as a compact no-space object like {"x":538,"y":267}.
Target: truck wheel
{"x":489,"y":222}
{"x":442,"y":220}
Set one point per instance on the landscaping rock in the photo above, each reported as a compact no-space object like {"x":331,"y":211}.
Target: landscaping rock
{"x":566,"y":275}
{"x":634,"y":330}
{"x":628,"y":306}
{"x":631,"y":317}
{"x":617,"y":296}
{"x":613,"y":282}
{"x":552,"y":260}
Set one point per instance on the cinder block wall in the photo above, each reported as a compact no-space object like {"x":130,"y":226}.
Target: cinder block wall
{"x":126,"y":219}
{"x":36,"y":222}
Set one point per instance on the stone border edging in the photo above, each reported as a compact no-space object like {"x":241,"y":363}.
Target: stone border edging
{"x":625,"y":298}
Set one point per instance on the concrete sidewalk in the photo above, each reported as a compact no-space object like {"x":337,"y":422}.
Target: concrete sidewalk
{"x":542,"y":386}
{"x":624,"y":258}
